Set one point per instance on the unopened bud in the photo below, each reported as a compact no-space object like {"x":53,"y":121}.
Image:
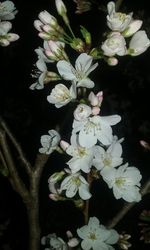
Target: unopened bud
{"x":64,"y":145}
{"x":112,"y":61}
{"x":78,"y":45}
{"x":145,"y":144}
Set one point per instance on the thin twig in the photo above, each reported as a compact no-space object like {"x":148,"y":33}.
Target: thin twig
{"x":22,"y":157}
{"x":119,"y":216}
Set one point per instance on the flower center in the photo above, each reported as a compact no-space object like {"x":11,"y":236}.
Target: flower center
{"x":76,"y":181}
{"x":120,"y":181}
{"x":92,"y":236}
{"x":107,"y":161}
{"x":121,"y":16}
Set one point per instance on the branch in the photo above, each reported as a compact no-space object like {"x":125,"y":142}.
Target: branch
{"x":15,"y":179}
{"x":22,"y":157}
{"x":127,"y":207}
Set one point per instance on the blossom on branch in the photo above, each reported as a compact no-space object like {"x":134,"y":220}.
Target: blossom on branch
{"x":61,"y":95}
{"x":125,"y":182}
{"x":96,"y":236}
{"x":82,"y":157}
{"x":49,"y":142}
{"x":74,"y":183}
{"x":117,"y":21}
{"x":96,"y":128}
{"x":115,"y":44}
{"x":7,"y":10}
{"x":109,"y":158}
{"x":79,"y":74}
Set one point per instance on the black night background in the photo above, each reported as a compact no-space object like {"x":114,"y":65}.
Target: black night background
{"x":29,"y":115}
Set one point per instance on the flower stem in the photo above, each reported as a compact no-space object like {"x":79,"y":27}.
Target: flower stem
{"x":87,"y":203}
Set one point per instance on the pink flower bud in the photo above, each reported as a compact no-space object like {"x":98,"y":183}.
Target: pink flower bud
{"x":54,"y":197}
{"x":95,"y":110}
{"x":145,"y":145}
{"x":64,"y":145}
{"x":112,"y":61}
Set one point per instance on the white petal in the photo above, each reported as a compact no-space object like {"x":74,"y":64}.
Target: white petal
{"x":65,"y":69}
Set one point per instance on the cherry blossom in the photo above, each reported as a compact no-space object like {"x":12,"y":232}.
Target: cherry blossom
{"x":95,"y":236}
{"x":49,"y":142}
{"x":61,"y":95}
{"x":125,"y":182}
{"x":79,"y":74}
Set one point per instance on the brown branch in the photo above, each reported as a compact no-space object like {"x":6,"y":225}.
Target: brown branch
{"x":119,"y":216}
{"x":17,"y":183}
{"x":22,"y":157}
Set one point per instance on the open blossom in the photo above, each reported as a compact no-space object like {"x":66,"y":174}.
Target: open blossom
{"x":115,"y":44}
{"x":5,"y":36}
{"x":7,"y":10}
{"x":49,"y":142}
{"x":96,"y":236}
{"x":79,"y":74}
{"x":40,"y":74}
{"x":61,"y":95}
{"x":73,"y":184}
{"x":139,"y":43}
{"x":82,"y":112}
{"x":95,"y":128}
{"x":111,"y":157}
{"x":51,"y":241}
{"x":41,"y":55}
{"x":117,"y":21}
{"x":125,"y":182}
{"x":82,"y":157}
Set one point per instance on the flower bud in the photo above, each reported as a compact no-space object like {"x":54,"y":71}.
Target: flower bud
{"x":112,"y":61}
{"x":78,"y":45}
{"x":95,"y":110}
{"x":64,"y":145}
{"x":47,"y":18}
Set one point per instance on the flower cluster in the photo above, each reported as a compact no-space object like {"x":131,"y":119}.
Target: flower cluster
{"x":7,"y":13}
{"x":123,"y":26}
{"x":92,"y":147}
{"x":93,"y":150}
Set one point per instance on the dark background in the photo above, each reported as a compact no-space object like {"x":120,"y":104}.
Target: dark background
{"x":29,"y":115}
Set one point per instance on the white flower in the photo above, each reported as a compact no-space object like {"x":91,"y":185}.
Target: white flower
{"x":95,"y":128}
{"x":139,"y":43}
{"x":79,"y":74}
{"x":95,"y":236}
{"x":117,"y":21}
{"x":7,"y":10}
{"x":125,"y":182}
{"x":96,"y":100}
{"x":40,"y":74}
{"x":115,"y":44}
{"x":74,"y":183}
{"x":133,"y":27}
{"x":82,"y":112}
{"x":5,"y":37}
{"x":49,"y":142}
{"x":41,"y":55}
{"x":108,"y":158}
{"x":53,"y":242}
{"x":61,"y":95}
{"x":81,"y":157}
